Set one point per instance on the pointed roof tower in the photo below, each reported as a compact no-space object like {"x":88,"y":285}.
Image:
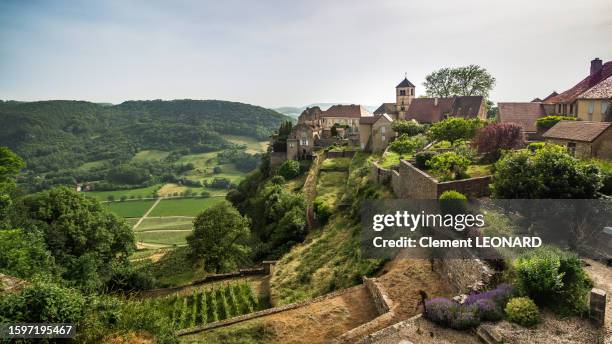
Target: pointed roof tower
{"x":405,"y":83}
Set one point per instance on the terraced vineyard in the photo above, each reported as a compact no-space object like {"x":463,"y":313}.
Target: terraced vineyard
{"x":206,"y":306}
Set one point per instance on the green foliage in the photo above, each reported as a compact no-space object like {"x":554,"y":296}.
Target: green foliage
{"x":24,"y":254}
{"x":421,"y":158}
{"x":454,"y":129}
{"x":408,"y":144}
{"x":449,"y":165}
{"x":10,"y":165}
{"x":322,"y":211}
{"x":289,"y":169}
{"x":471,"y":80}
{"x":85,"y":239}
{"x":553,"y":278}
{"x":219,"y":237}
{"x":410,"y":128}
{"x":523,"y":311}
{"x":549,"y":172}
{"x":548,"y":122}
{"x":453,"y":202}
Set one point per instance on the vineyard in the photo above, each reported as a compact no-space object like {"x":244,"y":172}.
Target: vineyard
{"x":206,"y":306}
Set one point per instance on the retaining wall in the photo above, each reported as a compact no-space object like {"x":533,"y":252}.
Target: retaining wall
{"x":343,"y":154}
{"x":277,"y":158}
{"x":379,"y":174}
{"x":464,"y":275}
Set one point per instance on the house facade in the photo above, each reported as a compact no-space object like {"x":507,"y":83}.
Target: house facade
{"x":583,"y":139}
{"x":375,"y":132}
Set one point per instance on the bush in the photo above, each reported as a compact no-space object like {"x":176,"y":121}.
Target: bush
{"x":553,"y":278}
{"x":217,"y":169}
{"x":523,"y":311}
{"x":488,"y":310}
{"x":289,"y":169}
{"x":408,"y":144}
{"x":421,"y":158}
{"x":534,"y":146}
{"x":322,"y":211}
{"x":499,"y":295}
{"x":454,"y":129}
{"x":277,"y":180}
{"x":449,"y":165}
{"x":453,"y":202}
{"x":548,"y":122}
{"x":548,"y":173}
{"x":410,"y":128}
{"x":451,"y":314}
{"x":494,"y":138}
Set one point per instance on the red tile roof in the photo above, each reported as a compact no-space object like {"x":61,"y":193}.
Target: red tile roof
{"x":368,"y":119}
{"x":351,"y":111}
{"x":385,"y":108}
{"x":577,"y":130}
{"x":586,"y":83}
{"x":603,"y":90}
{"x":524,"y":114}
{"x":553,"y":94}
{"x":426,"y":110}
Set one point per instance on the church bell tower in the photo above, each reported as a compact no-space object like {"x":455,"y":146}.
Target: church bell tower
{"x":404,"y":93}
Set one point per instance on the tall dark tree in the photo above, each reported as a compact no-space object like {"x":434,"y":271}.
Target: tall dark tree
{"x":470,"y":80}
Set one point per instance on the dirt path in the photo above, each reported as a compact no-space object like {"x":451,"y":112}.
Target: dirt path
{"x":146,"y":214}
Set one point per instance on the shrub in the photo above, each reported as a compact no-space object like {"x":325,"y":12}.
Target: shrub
{"x":453,"y":202}
{"x":421,"y":158}
{"x":494,"y":138}
{"x":454,"y":129}
{"x":451,"y":314}
{"x":449,"y":165}
{"x":289,"y":169}
{"x":548,"y":122}
{"x":410,"y":128}
{"x":553,"y":278}
{"x":322,"y":211}
{"x":488,"y":310}
{"x":549,"y":172}
{"x":217,"y":169}
{"x":408,"y":144}
{"x":277,"y":180}
{"x":499,"y":295}
{"x":534,"y":146}
{"x":523,"y":311}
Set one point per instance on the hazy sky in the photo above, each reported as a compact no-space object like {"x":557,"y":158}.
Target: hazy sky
{"x":274,"y":53}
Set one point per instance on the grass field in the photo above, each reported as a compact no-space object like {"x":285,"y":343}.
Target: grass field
{"x":166,"y":223}
{"x":163,"y":237}
{"x":130,"y":208}
{"x":150,"y":155}
{"x":103,"y":195}
{"x":131,"y":221}
{"x":336,"y":164}
{"x":184,"y":206}
{"x":253,"y":146}
{"x":330,"y":187}
{"x":91,"y":165}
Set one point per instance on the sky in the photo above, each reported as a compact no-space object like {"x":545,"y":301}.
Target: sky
{"x":289,"y":52}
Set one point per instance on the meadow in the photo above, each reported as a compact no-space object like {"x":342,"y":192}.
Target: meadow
{"x":130,"y":193}
{"x":165,"y":223}
{"x":130,"y":208}
{"x":184,"y":206}
{"x":165,"y":237}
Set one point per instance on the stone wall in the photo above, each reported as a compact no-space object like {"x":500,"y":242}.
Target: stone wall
{"x":277,"y":158}
{"x":412,"y":183}
{"x":343,"y":154}
{"x":379,"y":174}
{"x":597,"y":306}
{"x":382,"y":301}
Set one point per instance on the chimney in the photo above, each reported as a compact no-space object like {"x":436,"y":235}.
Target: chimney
{"x":436,"y":101}
{"x":595,"y":66}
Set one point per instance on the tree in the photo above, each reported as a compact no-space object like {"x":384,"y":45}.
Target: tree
{"x":85,"y":239}
{"x":449,"y":165}
{"x":408,"y":145}
{"x":410,"y":128}
{"x":219,"y":238}
{"x":494,"y":138}
{"x":454,"y":129}
{"x":217,"y":169}
{"x":471,"y":80}
{"x":289,"y":169}
{"x":24,"y":254}
{"x":546,"y":173}
{"x":10,"y":165}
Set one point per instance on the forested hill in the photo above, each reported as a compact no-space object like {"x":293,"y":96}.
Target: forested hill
{"x":58,"y":135}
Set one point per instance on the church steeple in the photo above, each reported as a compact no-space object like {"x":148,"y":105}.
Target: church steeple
{"x":404,"y":93}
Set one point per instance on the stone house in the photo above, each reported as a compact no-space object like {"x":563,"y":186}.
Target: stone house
{"x":583,"y":139}
{"x":375,"y":132}
{"x":430,"y":110}
{"x":344,"y":115}
{"x":596,"y":103}
{"x":523,"y":114}
{"x":301,"y":141}
{"x":573,"y":103}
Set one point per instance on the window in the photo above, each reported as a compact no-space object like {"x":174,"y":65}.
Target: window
{"x":412,"y":91}
{"x":590,"y":116}
{"x":402,"y":92}
{"x":304,"y":142}
{"x":382,"y":130}
{"x":571,"y":148}
{"x":383,"y":137}
{"x":604,"y":107}
{"x":291,"y":145}
{"x":591,"y":107}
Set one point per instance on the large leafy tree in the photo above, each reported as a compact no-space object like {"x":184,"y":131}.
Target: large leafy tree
{"x":10,"y":165}
{"x":547,"y":173}
{"x":86,"y":240}
{"x":454,"y":129}
{"x":494,"y":138}
{"x":219,"y":238}
{"x":471,"y":80}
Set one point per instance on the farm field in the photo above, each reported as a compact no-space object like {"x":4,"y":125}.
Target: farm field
{"x":130,"y":208}
{"x":142,"y":192}
{"x":165,"y":223}
{"x":150,"y":155}
{"x":91,"y":165}
{"x":167,"y":237}
{"x":184,"y":206}
{"x":253,"y":146}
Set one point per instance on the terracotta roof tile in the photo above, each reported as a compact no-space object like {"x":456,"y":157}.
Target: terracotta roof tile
{"x":603,"y":90}
{"x":426,"y":110}
{"x":524,"y":114}
{"x":586,"y":83}
{"x":553,"y":94}
{"x":352,"y":111}
{"x":577,"y":130}
{"x":368,"y":119}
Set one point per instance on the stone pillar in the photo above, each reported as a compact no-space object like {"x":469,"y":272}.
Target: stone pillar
{"x":268,"y":266}
{"x":597,"y":309}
